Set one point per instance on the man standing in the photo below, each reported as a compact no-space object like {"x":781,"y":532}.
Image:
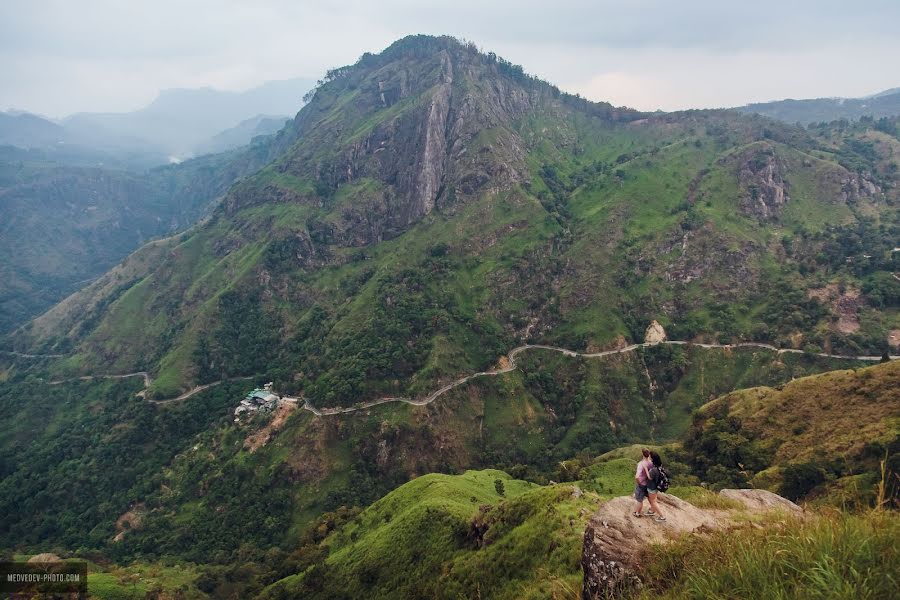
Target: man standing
{"x":640,"y":483}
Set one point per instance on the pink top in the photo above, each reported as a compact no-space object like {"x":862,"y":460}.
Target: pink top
{"x":642,"y":468}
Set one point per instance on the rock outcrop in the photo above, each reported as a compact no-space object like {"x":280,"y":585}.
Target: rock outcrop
{"x":655,"y":333}
{"x":761,"y":501}
{"x":764,"y":189}
{"x":613,"y":539}
{"x":44,"y":557}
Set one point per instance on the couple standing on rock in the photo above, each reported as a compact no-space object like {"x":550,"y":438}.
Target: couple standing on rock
{"x":649,"y":479}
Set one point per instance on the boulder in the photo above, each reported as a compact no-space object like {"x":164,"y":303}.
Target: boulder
{"x":44,"y":557}
{"x":613,"y":539}
{"x":761,"y":501}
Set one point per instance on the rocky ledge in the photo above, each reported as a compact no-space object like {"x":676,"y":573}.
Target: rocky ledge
{"x":613,"y":538}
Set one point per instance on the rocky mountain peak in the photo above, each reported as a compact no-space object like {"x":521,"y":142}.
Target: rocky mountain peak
{"x":426,"y":124}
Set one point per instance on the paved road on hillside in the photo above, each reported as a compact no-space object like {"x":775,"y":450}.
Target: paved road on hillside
{"x":511,"y":366}
{"x":24,"y":355}
{"x":148,"y":381}
{"x":572,"y":353}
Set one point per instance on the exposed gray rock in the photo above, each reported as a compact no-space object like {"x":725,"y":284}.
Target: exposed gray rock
{"x":761,"y":500}
{"x":655,"y":333}
{"x":613,"y":538}
{"x":764,"y":189}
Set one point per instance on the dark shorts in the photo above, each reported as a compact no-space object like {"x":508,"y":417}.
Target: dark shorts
{"x":640,"y":492}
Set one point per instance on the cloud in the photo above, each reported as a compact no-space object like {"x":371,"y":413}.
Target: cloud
{"x":59,"y":57}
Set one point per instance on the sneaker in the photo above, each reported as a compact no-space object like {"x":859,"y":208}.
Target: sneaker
{"x":637,"y":515}
{"x":649,"y":513}
{"x":660,"y":518}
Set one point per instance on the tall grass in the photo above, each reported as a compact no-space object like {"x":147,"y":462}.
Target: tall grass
{"x":833,"y":554}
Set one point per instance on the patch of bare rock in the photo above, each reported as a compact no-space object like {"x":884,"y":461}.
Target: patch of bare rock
{"x":613,"y":539}
{"x":44,"y":557}
{"x":655,"y":333}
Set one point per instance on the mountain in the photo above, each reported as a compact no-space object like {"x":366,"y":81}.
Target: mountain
{"x":77,"y":198}
{"x":242,"y":134}
{"x":432,"y":207}
{"x":882,"y":105}
{"x":26,"y":130}
{"x":179,"y":122}
{"x":66,"y":221}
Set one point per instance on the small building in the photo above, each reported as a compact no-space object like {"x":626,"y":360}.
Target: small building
{"x":257,"y":400}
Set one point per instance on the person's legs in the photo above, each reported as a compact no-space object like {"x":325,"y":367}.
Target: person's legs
{"x":640,"y":492}
{"x":651,"y":496}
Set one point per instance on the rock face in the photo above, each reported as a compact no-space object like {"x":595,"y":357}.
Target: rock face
{"x":764,"y":190}
{"x":856,"y":186}
{"x":761,"y":500}
{"x":655,"y":333}
{"x":893,"y":338}
{"x":613,"y":538}
{"x":397,"y":136}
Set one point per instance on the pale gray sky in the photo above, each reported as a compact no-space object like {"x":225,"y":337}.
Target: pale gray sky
{"x":60,"y":56}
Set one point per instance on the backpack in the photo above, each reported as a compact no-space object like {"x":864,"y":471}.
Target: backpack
{"x":662,"y":482}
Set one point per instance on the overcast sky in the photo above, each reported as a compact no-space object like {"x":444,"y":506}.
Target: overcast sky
{"x":65,"y":56}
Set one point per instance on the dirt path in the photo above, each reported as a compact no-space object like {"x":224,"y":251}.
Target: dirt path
{"x":196,"y":390}
{"x":148,"y":381}
{"x":24,"y":355}
{"x":510,"y":366}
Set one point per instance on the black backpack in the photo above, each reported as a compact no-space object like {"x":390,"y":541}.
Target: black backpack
{"x":662,"y":482}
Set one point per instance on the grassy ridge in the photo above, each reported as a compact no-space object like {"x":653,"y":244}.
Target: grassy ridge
{"x":481,"y":533}
{"x":805,"y":436}
{"x":832,"y":555}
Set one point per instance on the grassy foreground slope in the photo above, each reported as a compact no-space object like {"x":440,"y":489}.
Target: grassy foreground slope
{"x":831,"y":555}
{"x":479,"y":534}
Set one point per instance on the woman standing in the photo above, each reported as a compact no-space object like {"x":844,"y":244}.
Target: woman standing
{"x":640,"y":483}
{"x":653,"y":483}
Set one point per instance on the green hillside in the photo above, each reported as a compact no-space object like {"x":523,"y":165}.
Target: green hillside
{"x":821,"y":435}
{"x":445,"y":536}
{"x":187,"y":462}
{"x":63,"y":225}
{"x":422,"y":224}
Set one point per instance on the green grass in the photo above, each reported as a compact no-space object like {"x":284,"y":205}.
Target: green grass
{"x":420,"y":539}
{"x":610,"y":478}
{"x":833,"y":555}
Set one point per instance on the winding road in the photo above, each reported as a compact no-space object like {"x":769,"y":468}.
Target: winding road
{"x":148,"y":381}
{"x":512,"y":366}
{"x":24,"y":355}
{"x":320,"y":412}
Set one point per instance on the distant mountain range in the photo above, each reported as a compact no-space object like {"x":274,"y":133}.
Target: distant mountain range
{"x":243,"y":132}
{"x":817,"y":110}
{"x":179,"y":124}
